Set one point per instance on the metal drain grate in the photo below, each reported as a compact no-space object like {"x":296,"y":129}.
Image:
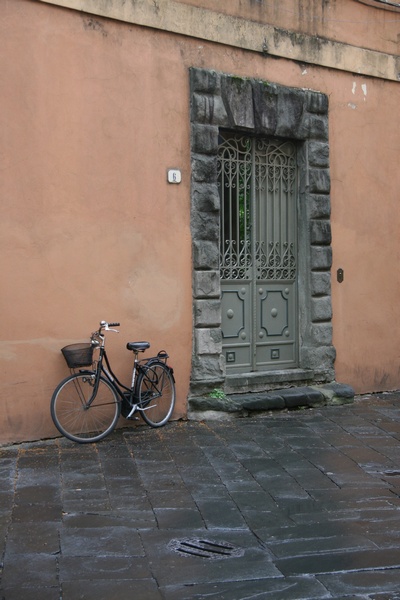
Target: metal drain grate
{"x":205,"y":548}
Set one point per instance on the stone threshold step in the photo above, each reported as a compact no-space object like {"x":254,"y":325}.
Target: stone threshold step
{"x":287,"y":398}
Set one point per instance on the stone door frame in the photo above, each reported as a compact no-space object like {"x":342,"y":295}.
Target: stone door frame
{"x":221,"y":101}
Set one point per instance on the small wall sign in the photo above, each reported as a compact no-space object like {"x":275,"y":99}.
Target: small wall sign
{"x":174,"y":176}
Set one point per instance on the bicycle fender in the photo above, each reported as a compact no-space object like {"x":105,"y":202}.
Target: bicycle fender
{"x":154,"y":360}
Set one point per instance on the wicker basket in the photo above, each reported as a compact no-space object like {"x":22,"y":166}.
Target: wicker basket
{"x":78,"y":355}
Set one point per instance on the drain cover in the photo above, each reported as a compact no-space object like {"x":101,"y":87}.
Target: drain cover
{"x":205,"y":548}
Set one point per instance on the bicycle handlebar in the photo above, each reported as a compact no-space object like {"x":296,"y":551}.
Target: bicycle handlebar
{"x":98,"y":338}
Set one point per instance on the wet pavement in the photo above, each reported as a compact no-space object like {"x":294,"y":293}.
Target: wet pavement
{"x":287,"y":505}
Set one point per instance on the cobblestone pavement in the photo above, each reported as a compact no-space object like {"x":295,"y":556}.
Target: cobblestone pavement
{"x":295,"y":505}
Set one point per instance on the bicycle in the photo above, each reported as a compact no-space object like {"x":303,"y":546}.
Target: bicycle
{"x":85,"y":407}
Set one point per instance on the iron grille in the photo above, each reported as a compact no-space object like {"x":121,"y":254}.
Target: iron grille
{"x":257,"y":181}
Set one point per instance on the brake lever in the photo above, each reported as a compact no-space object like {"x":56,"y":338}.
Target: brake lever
{"x":104,"y":325}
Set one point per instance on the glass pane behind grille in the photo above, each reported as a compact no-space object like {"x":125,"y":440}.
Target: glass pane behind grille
{"x":275,"y":177}
{"x":235,"y":169}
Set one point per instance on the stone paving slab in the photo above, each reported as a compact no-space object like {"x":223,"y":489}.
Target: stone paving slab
{"x":308,"y":501}
{"x":379,"y":584}
{"x":288,"y":588}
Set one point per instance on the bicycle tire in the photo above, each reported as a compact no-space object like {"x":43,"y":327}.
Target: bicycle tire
{"x":156,"y":393}
{"x":73,"y":420}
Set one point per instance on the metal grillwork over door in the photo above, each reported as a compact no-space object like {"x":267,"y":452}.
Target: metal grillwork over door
{"x":258,"y":252}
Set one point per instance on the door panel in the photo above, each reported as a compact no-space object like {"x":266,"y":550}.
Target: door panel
{"x":258,"y":263}
{"x":275,"y":317}
{"x":236,"y":324}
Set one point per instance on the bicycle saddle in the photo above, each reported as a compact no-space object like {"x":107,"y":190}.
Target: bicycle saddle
{"x":137,"y":346}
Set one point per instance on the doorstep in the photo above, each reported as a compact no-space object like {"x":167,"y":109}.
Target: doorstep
{"x":288,"y":398}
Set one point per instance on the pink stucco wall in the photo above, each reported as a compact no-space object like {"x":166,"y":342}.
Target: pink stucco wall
{"x":93,"y":114}
{"x":365,"y":145}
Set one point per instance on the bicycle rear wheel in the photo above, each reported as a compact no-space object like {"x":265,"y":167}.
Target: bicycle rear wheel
{"x":74,"y":418}
{"x":156,"y":394}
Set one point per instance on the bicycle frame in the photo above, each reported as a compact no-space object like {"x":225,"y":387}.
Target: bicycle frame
{"x":123,"y":391}
{"x":109,"y":374}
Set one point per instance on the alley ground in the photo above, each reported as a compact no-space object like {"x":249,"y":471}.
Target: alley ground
{"x":286,"y":505}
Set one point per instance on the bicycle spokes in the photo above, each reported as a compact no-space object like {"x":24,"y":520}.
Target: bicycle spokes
{"x":156,"y":394}
{"x":84,"y":412}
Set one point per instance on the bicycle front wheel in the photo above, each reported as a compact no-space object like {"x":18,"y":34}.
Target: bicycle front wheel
{"x":156,"y":394}
{"x":75,"y":418}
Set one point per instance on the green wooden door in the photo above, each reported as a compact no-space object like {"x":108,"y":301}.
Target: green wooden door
{"x":258,"y":253}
